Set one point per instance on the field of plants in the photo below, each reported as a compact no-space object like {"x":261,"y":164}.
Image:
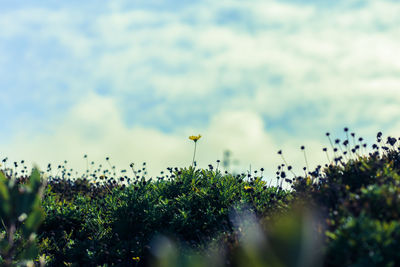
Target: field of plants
{"x":345,"y":213}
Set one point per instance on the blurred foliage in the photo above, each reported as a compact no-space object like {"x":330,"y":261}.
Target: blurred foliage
{"x":20,"y":215}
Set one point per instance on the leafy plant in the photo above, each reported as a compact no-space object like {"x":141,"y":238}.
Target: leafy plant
{"x":21,"y":215}
{"x":343,"y":214}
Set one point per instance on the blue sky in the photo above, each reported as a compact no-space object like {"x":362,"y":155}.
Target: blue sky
{"x":132,"y":79}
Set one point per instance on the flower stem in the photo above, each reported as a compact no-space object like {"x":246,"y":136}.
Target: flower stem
{"x":194,"y":154}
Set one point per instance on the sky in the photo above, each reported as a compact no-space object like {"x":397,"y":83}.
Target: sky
{"x":131,"y":80}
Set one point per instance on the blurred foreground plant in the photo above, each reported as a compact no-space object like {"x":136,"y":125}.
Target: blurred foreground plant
{"x":20,"y":216}
{"x":291,"y":239}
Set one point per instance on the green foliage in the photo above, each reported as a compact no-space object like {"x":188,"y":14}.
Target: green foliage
{"x":117,"y":224}
{"x":20,"y":214}
{"x":362,"y":241}
{"x":359,"y":200}
{"x":344,"y":214}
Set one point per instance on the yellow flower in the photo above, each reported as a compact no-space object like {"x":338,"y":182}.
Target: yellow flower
{"x":137,"y":259}
{"x":194,"y":138}
{"x":248,"y":188}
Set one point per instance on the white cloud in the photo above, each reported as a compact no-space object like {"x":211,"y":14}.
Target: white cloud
{"x":94,"y":127}
{"x":137,"y":46}
{"x":334,"y":60}
{"x":41,"y":25}
{"x":345,"y":58}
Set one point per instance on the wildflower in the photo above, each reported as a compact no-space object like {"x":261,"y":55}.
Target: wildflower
{"x":248,"y":188}
{"x":391,"y":140}
{"x":195,"y":138}
{"x":137,"y":259}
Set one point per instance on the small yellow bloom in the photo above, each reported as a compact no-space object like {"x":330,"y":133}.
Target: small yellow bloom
{"x":137,"y":259}
{"x":248,"y":188}
{"x":194,"y":138}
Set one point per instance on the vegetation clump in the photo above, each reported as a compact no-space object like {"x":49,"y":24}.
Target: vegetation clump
{"x":345,"y":213}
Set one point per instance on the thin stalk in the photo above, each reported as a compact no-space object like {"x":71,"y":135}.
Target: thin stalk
{"x":348,"y":147}
{"x":305,"y":158}
{"x":331,"y":143}
{"x":283,"y":158}
{"x":327,"y":156}
{"x":87,"y":167}
{"x":194,"y":153}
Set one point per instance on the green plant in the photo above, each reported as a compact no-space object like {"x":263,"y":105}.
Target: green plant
{"x":349,"y":214}
{"x":20,"y":214}
{"x":362,"y":241}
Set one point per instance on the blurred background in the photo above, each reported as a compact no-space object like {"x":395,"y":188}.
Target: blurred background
{"x":131,"y":80}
